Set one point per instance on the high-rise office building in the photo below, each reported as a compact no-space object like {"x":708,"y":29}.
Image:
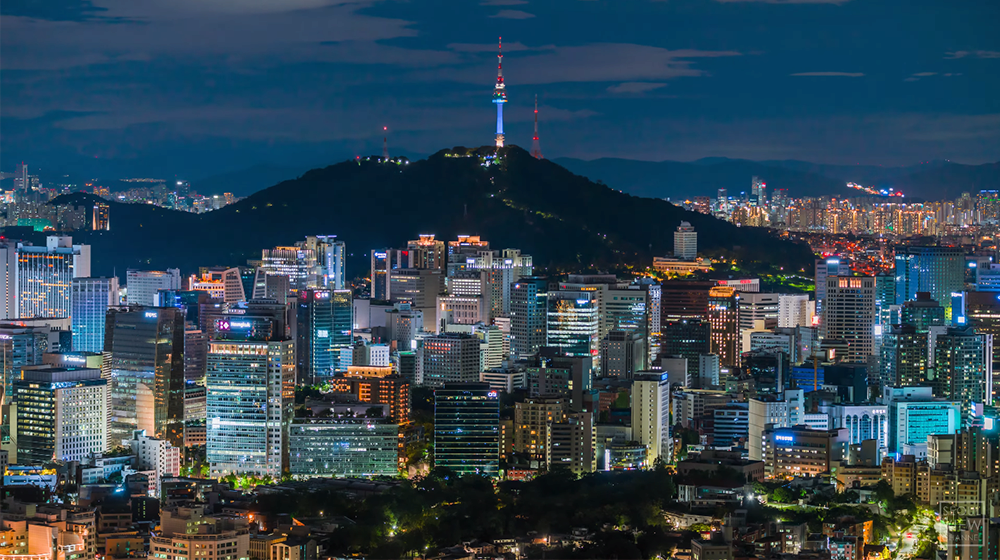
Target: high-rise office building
{"x":89,"y":308}
{"x":38,"y":280}
{"x":223,"y":284}
{"x":533,"y":419}
{"x":795,"y":310}
{"x":885,"y":298}
{"x":325,"y":327}
{"x":19,"y":346}
{"x":499,"y":270}
{"x":418,"y":287}
{"x":681,"y":299}
{"x":651,"y":415}
{"x":426,"y":252}
{"x":467,"y":428}
{"x":297,"y":263}
{"x":142,"y":285}
{"x":622,"y":354}
{"x":758,"y":191}
{"x":450,"y":358}
{"x":758,"y":306}
{"x":849,"y":315}
{"x":923,"y":313}
{"x":914,"y":414}
{"x":963,"y":367}
{"x":250,"y":391}
{"x":329,"y":258}
{"x":903,"y":357}
{"x":686,"y":338}
{"x":383,"y":262}
{"x":572,"y":323}
{"x":147,"y":372}
{"x":572,"y":443}
{"x":826,"y":267}
{"x":982,"y":312}
{"x":938,"y":270}
{"x":101,"y":217}
{"x":61,"y":414}
{"x":724,"y":320}
{"x":763,"y":411}
{"x":685,"y":242}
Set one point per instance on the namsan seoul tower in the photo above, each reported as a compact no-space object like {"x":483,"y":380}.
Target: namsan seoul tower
{"x":499,"y":95}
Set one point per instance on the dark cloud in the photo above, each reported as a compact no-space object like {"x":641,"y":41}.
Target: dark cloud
{"x":972,"y":54}
{"x":832,"y":74}
{"x":513,"y":14}
{"x":635,"y":87}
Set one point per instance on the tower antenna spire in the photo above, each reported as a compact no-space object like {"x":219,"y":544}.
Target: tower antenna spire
{"x":385,"y":143}
{"x":536,"y":148}
{"x":499,"y":93}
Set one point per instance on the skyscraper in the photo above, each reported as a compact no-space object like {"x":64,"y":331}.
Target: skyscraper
{"x":143,"y":285}
{"x":89,"y":308}
{"x":825,"y":267}
{"x":795,"y":310}
{"x":383,"y":262}
{"x":467,"y":428}
{"x":923,"y":313}
{"x":572,"y":323}
{"x":329,"y":258}
{"x":903,"y":357}
{"x":250,"y":391}
{"x":19,"y":346}
{"x":426,"y":252}
{"x":685,"y":242}
{"x":38,"y":280}
{"x":147,"y":373}
{"x":61,"y":414}
{"x":651,"y":415}
{"x":963,"y":367}
{"x":325,"y":327}
{"x":724,"y":319}
{"x":757,"y":191}
{"x":450,"y":358}
{"x":849,"y":315}
{"x":938,"y":270}
{"x":297,"y":263}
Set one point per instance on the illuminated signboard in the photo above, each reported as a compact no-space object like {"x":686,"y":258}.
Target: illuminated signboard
{"x":379,"y":255}
{"x":784,"y":438}
{"x":322,"y":333}
{"x":492,"y":394}
{"x":151,"y":314}
{"x":240,"y":324}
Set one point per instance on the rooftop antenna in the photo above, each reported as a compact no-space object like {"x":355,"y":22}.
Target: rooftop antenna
{"x":536,"y":148}
{"x":385,"y":143}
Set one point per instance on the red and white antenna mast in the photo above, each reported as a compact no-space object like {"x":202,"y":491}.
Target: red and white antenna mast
{"x":536,"y":148}
{"x":385,"y":143}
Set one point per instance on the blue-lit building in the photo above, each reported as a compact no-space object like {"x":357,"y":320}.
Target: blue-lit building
{"x":937,"y":270}
{"x":963,"y":367}
{"x":467,"y":428}
{"x":325,"y":327}
{"x":89,"y":304}
{"x":825,"y":268}
{"x":732,"y":423}
{"x":528,"y":308}
{"x":914,"y":414}
{"x":572,"y":323}
{"x":350,"y":447}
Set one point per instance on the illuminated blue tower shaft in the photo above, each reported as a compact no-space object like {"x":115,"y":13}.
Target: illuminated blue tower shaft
{"x":499,"y":94}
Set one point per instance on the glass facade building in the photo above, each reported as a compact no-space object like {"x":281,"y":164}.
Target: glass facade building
{"x":350,"y":447}
{"x":90,"y":302}
{"x":43,"y":277}
{"x":963,"y":367}
{"x":467,"y":428}
{"x":937,"y":270}
{"x":572,"y":323}
{"x":147,"y":373}
{"x":528,"y":308}
{"x":250,"y":391}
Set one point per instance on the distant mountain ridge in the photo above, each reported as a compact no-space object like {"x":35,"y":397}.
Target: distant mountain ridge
{"x":564,"y":221}
{"x":934,"y":180}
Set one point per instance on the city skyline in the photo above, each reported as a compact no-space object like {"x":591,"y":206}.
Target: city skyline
{"x":755,"y":80}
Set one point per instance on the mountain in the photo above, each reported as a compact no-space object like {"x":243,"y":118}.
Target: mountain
{"x":564,"y":221}
{"x":934,"y":180}
{"x":246,"y":181}
{"x":678,"y":180}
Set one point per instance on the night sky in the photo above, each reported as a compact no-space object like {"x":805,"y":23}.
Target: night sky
{"x":206,"y":86}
